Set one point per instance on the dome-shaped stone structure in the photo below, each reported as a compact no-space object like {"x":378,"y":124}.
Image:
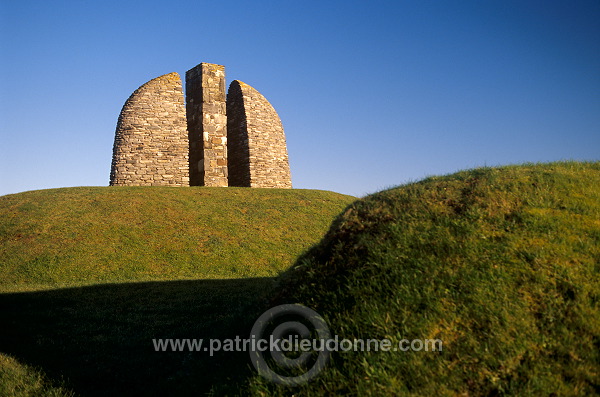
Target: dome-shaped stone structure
{"x":256,"y":141}
{"x":151,"y":142}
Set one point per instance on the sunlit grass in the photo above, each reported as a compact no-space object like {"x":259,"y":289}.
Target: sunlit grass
{"x":78,"y":236}
{"x":501,"y":264}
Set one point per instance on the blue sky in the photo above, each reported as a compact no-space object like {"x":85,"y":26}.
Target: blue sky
{"x":372,"y":94}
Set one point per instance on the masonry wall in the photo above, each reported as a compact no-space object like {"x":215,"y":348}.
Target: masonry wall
{"x":207,"y":125}
{"x":151,"y":141}
{"x":257,"y":147}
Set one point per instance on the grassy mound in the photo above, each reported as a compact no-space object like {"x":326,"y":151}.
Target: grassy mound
{"x":86,"y":235}
{"x":501,"y":264}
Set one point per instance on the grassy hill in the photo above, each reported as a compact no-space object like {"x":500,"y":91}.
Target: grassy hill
{"x":87,"y":235}
{"x":501,"y":264}
{"x":91,"y":275}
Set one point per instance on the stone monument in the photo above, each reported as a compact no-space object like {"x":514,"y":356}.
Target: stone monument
{"x":207,"y":140}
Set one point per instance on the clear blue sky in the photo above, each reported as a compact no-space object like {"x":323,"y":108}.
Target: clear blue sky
{"x":372,"y":94}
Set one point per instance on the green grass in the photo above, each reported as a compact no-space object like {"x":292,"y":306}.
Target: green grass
{"x":91,"y":275}
{"x":87,"y":235}
{"x":501,"y":264}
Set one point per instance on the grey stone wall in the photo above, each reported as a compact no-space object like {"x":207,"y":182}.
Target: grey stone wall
{"x":207,"y":124}
{"x":257,"y":147}
{"x":151,"y":139}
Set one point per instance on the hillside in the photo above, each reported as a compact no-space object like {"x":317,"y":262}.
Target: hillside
{"x":87,"y":235}
{"x":500,"y":264}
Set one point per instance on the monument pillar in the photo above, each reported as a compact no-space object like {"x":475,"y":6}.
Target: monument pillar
{"x":207,"y":124}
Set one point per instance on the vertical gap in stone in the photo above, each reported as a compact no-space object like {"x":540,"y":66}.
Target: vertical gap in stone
{"x":193,"y":105}
{"x":237,"y":137}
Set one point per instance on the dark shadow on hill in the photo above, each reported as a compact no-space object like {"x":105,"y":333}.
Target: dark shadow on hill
{"x":99,"y":339}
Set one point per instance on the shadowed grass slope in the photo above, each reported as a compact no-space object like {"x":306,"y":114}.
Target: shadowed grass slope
{"x":18,"y":380}
{"x":87,"y":235}
{"x":501,"y":264}
{"x":98,"y":340}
